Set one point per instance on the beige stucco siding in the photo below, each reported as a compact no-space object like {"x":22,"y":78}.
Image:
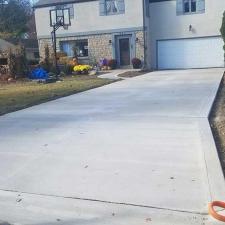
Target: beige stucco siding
{"x":165,"y":24}
{"x":87,"y":19}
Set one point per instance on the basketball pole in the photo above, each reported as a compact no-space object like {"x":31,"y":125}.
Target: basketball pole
{"x":58,"y":23}
{"x":55,"y":28}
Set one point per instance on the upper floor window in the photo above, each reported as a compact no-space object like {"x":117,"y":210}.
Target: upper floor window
{"x":189,"y":6}
{"x":111,"y":7}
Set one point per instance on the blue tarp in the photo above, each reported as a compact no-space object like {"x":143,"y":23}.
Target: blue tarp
{"x":39,"y":74}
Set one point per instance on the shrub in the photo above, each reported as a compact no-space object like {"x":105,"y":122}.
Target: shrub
{"x":73,"y":62}
{"x":17,"y":63}
{"x":67,"y":69}
{"x":47,"y":64}
{"x":136,"y":63}
{"x":222,"y":30}
{"x":112,"y":63}
{"x":61,"y":54}
{"x":33,"y":62}
{"x":64,"y":60}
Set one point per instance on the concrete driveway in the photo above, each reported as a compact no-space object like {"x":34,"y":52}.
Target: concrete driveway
{"x":134,"y":152}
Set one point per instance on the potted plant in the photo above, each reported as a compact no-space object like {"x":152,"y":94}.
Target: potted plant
{"x":112,"y":64}
{"x":103,"y":63}
{"x":82,"y":69}
{"x":136,"y":63}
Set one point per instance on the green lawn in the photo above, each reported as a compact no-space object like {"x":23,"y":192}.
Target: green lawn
{"x":23,"y":94}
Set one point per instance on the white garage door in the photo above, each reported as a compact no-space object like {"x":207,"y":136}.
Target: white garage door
{"x":190,"y":53}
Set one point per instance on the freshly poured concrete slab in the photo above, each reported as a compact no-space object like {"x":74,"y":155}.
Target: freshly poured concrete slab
{"x":138,"y":142}
{"x":110,"y":161}
{"x":42,"y":210}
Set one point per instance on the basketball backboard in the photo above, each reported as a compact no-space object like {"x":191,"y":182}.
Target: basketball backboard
{"x":60,"y":17}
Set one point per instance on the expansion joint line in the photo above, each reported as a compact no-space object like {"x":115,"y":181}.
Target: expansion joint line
{"x":108,"y":202}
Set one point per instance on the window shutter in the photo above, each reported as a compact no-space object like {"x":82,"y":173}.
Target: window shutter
{"x":180,"y":7}
{"x":201,"y":6}
{"x":121,"y":6}
{"x":102,"y":8}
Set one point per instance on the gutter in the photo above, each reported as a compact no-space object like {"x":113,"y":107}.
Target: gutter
{"x":144,"y":30}
{"x":60,"y":3}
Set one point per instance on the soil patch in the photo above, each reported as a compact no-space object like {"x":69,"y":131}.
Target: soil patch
{"x":217,"y":122}
{"x":133,"y":73}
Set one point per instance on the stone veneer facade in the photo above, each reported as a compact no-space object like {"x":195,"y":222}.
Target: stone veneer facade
{"x":98,"y":45}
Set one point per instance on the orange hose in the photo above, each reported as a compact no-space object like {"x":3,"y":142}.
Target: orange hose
{"x":213,"y":213}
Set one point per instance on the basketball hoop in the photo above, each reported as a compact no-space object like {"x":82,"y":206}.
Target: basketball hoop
{"x":58,"y":18}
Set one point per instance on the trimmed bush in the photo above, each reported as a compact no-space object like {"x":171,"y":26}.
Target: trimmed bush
{"x":136,"y":63}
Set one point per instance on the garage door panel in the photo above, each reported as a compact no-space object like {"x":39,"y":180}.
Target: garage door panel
{"x":191,"y":53}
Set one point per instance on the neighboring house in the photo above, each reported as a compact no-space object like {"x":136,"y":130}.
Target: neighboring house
{"x":186,"y":34}
{"x":169,"y":34}
{"x":30,"y":45}
{"x":5,"y":47}
{"x":99,"y":29}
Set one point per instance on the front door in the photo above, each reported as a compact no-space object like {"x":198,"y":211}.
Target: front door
{"x":124,"y":57}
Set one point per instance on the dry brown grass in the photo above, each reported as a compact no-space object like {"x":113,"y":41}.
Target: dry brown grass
{"x":23,"y":94}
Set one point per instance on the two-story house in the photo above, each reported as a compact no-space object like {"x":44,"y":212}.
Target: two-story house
{"x":168,"y":34}
{"x":111,"y":29}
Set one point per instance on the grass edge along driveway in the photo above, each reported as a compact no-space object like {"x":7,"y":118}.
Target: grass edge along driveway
{"x":20,"y":95}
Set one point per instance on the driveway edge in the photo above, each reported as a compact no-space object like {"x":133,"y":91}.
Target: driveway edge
{"x":213,"y":165}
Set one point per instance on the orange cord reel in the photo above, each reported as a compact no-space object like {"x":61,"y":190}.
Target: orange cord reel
{"x":213,"y":213}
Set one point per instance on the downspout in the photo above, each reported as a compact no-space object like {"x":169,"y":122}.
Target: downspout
{"x":144,"y":32}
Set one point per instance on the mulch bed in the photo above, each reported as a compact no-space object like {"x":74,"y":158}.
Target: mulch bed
{"x":134,"y":73}
{"x":217,"y":122}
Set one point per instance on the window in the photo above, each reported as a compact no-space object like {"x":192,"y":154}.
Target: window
{"x":111,"y":6}
{"x":3,"y":61}
{"x":189,"y":6}
{"x":193,"y":6}
{"x":78,"y":47}
{"x":186,"y":6}
{"x":82,"y":48}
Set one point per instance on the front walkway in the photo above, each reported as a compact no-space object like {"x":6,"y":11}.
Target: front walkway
{"x":139,"y":151}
